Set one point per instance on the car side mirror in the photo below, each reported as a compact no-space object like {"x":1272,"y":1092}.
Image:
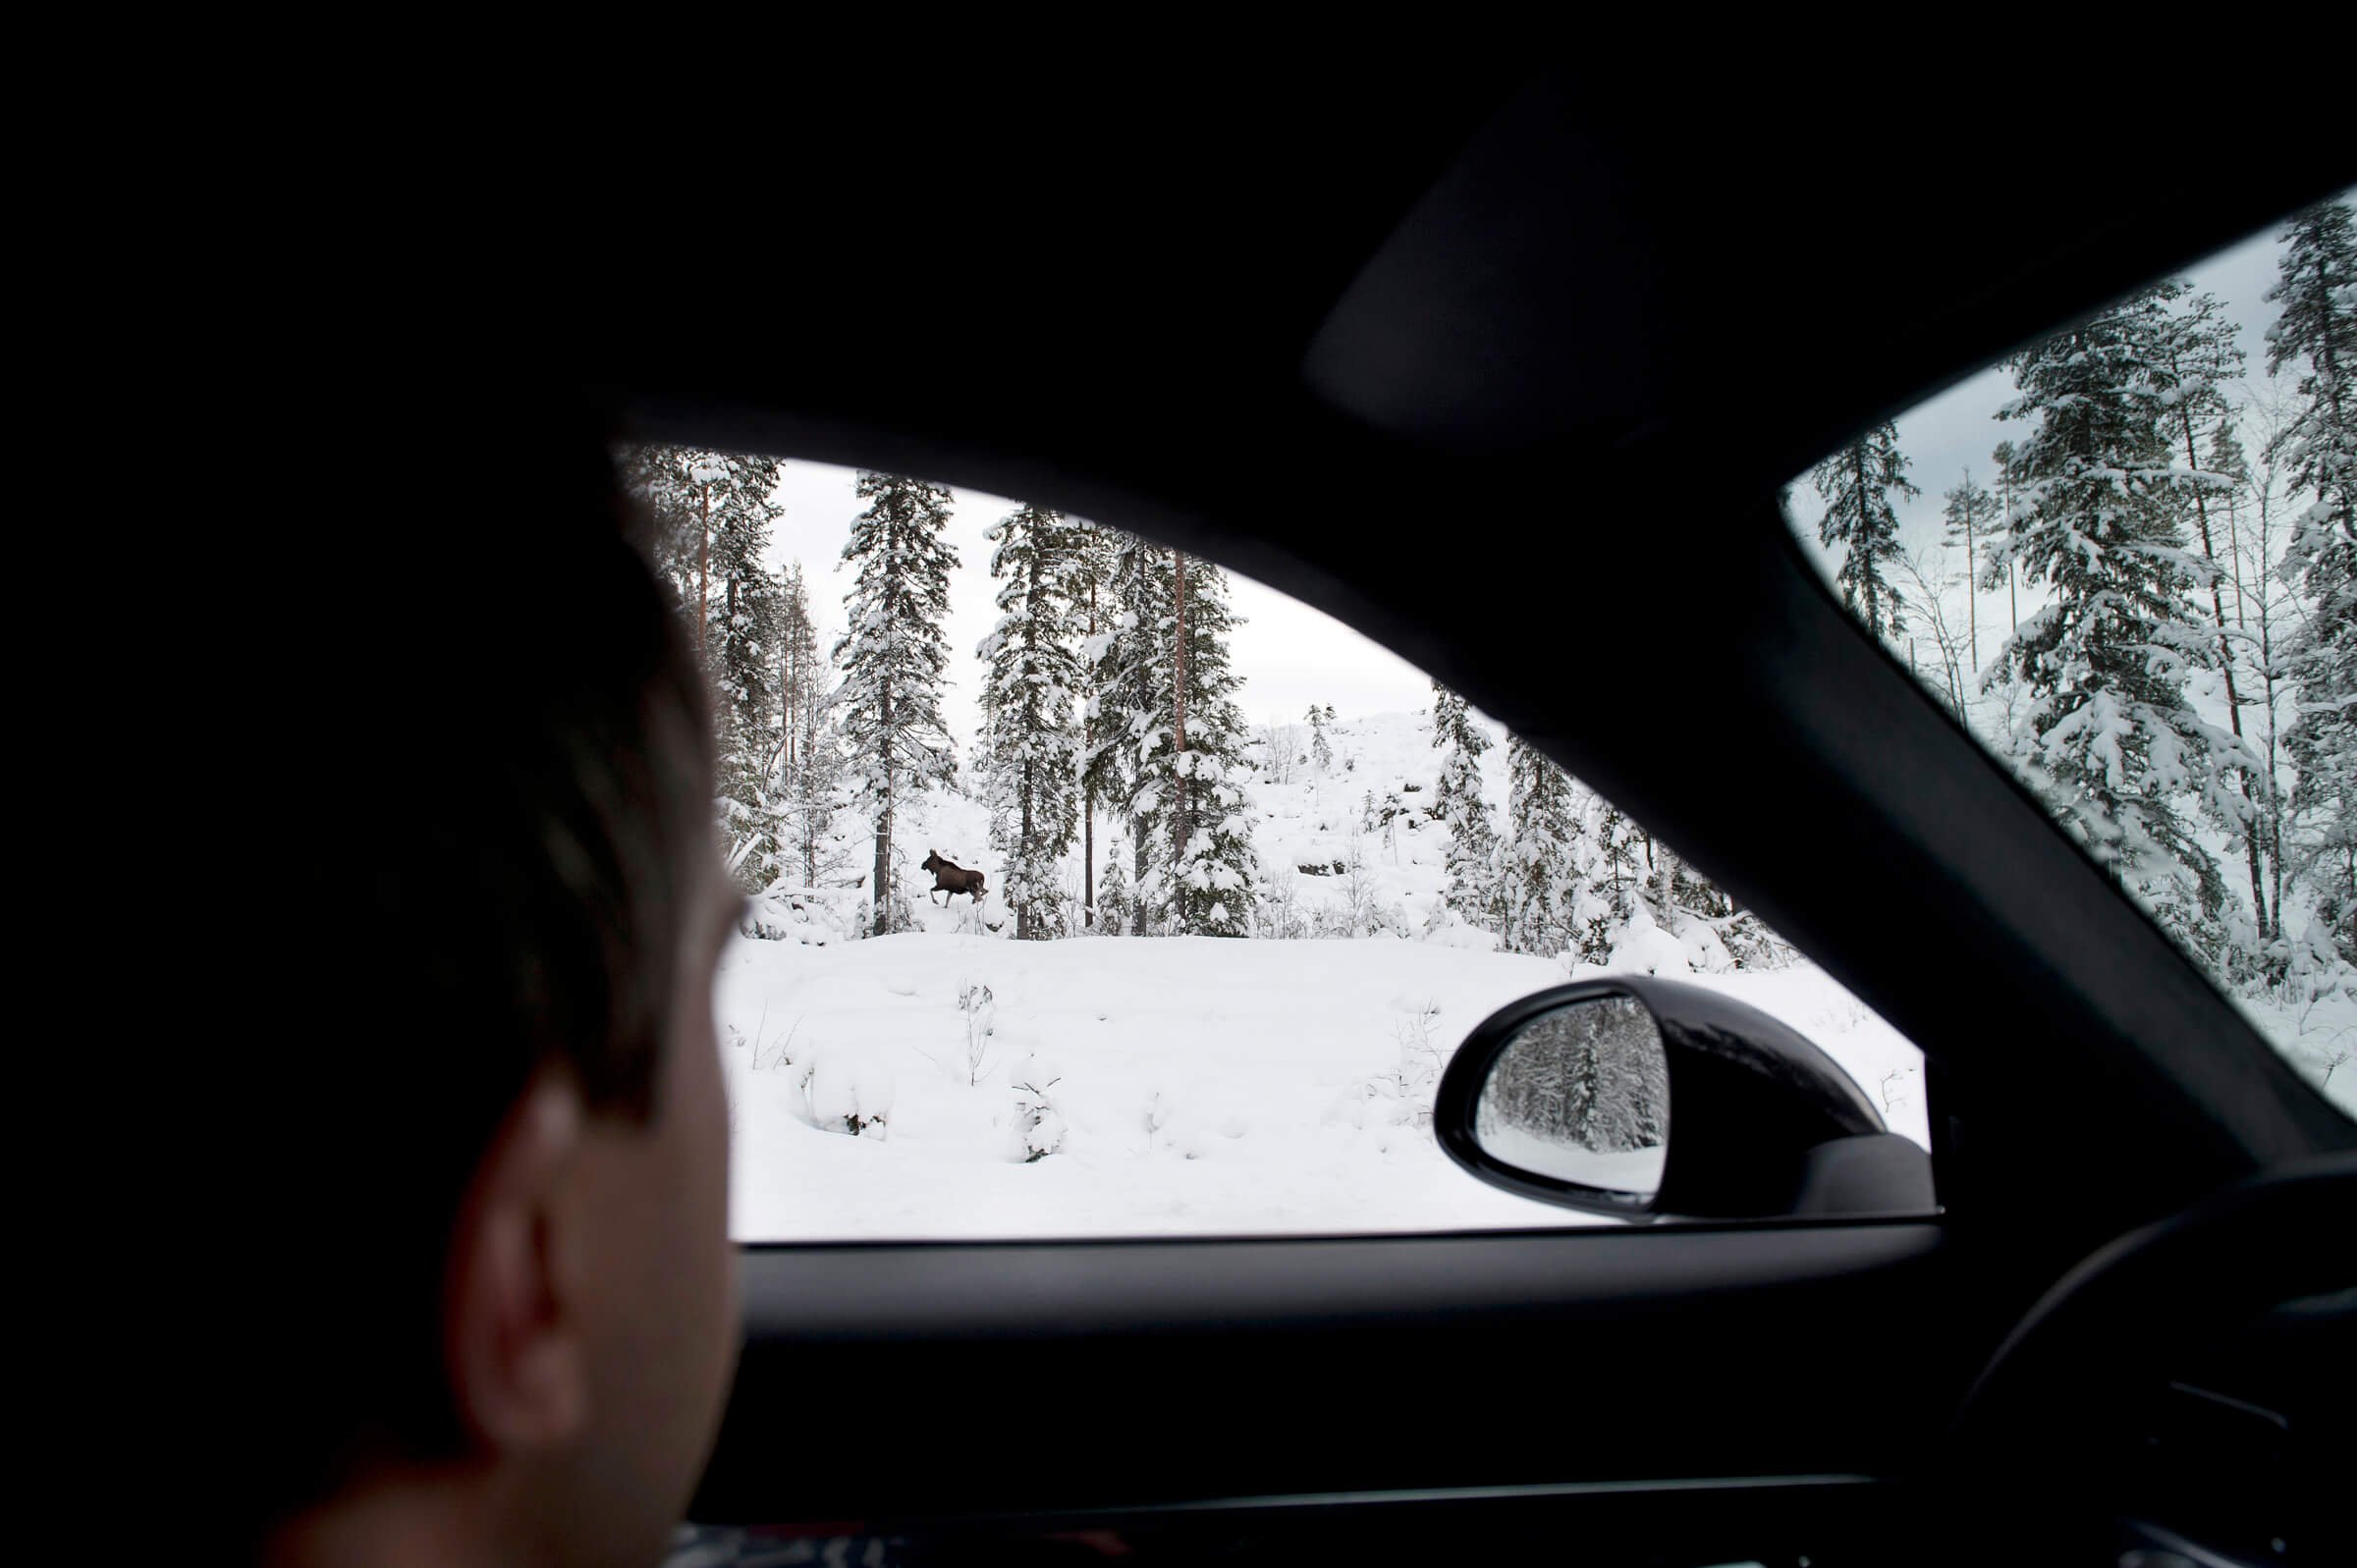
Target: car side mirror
{"x":1642,"y":1098}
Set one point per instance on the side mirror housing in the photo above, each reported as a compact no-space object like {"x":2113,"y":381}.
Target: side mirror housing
{"x":1642,"y":1098}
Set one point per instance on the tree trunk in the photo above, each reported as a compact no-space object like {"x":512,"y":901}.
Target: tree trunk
{"x":1181,"y":829}
{"x":2267,"y":675}
{"x":1025,"y":929}
{"x":1137,"y":879}
{"x":1972,"y":586}
{"x":2328,"y":359}
{"x":1089,"y":796}
{"x":2225,"y":662}
{"x":2004,"y":487}
{"x":883,"y":878}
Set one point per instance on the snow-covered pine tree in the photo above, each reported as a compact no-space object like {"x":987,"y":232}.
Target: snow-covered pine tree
{"x":805,"y":783}
{"x":1115,"y":906}
{"x":1091,"y":579}
{"x":1971,"y":513}
{"x":1030,"y":737}
{"x":801,"y":676}
{"x":893,"y":657}
{"x":1541,"y":853}
{"x":2007,"y":461}
{"x":1615,"y":870}
{"x":2318,"y":291}
{"x":2229,"y":461}
{"x":2107,"y":734}
{"x":1321,"y":753}
{"x":710,"y":514}
{"x":1472,"y":890}
{"x":691,"y":494}
{"x":743,"y":619}
{"x":2200,"y":358}
{"x":1857,"y":485}
{"x":2260,"y":604}
{"x":809,"y":797}
{"x":1195,"y":773}
{"x":1130,"y":693}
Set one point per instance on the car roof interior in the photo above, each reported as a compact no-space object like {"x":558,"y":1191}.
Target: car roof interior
{"x":1506,"y":373}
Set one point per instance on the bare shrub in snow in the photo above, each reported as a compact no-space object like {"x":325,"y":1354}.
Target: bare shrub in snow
{"x":976,"y":1003}
{"x":1417,"y":1072}
{"x":778,"y":1054}
{"x":1039,"y":1126}
{"x":1280,"y":914}
{"x":1281,"y":752}
{"x":1402,"y":1094}
{"x":1365,"y":912}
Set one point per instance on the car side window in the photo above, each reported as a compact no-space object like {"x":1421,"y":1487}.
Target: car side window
{"x":2125,"y":558}
{"x":1095,"y":892}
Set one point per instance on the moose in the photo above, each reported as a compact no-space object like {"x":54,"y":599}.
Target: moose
{"x":954,"y":879}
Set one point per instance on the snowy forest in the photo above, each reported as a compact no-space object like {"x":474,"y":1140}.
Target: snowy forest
{"x":1117,"y":773}
{"x":2144,"y":599}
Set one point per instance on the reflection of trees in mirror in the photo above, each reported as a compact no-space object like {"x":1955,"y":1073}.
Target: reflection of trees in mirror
{"x":1591,"y":1074}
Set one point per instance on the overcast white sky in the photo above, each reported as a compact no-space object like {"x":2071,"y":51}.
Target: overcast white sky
{"x":1291,"y":655}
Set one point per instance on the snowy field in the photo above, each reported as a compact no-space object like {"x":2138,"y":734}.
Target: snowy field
{"x":1189,"y":1085}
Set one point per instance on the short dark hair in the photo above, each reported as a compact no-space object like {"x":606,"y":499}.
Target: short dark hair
{"x":474,"y":767}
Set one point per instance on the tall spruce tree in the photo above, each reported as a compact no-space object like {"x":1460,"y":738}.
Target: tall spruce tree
{"x":1970,"y":515}
{"x":1615,"y":870}
{"x":743,"y":616}
{"x":1857,"y":485}
{"x":810,"y":796}
{"x":2318,"y":291}
{"x":806,"y":781}
{"x":1195,"y":776}
{"x":1129,"y":697}
{"x":2109,"y":737}
{"x":1472,"y":892}
{"x":893,"y":656}
{"x":1030,"y":737}
{"x":710,"y":515}
{"x":2199,"y":359}
{"x":801,"y":676}
{"x":1092,"y":580}
{"x":2007,"y":461}
{"x":1541,"y":855}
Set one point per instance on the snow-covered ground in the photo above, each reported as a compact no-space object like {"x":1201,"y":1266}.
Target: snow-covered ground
{"x":1191,"y":1085}
{"x":1186,"y":1085}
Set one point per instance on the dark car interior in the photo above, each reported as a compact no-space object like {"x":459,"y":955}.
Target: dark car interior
{"x":1506,"y":373}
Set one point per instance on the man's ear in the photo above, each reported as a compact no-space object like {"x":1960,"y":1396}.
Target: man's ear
{"x":511,"y":1334}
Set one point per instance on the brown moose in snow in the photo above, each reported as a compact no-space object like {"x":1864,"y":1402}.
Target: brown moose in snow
{"x":953,"y":878}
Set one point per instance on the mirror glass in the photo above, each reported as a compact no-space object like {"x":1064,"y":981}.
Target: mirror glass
{"x":1581,"y":1094}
